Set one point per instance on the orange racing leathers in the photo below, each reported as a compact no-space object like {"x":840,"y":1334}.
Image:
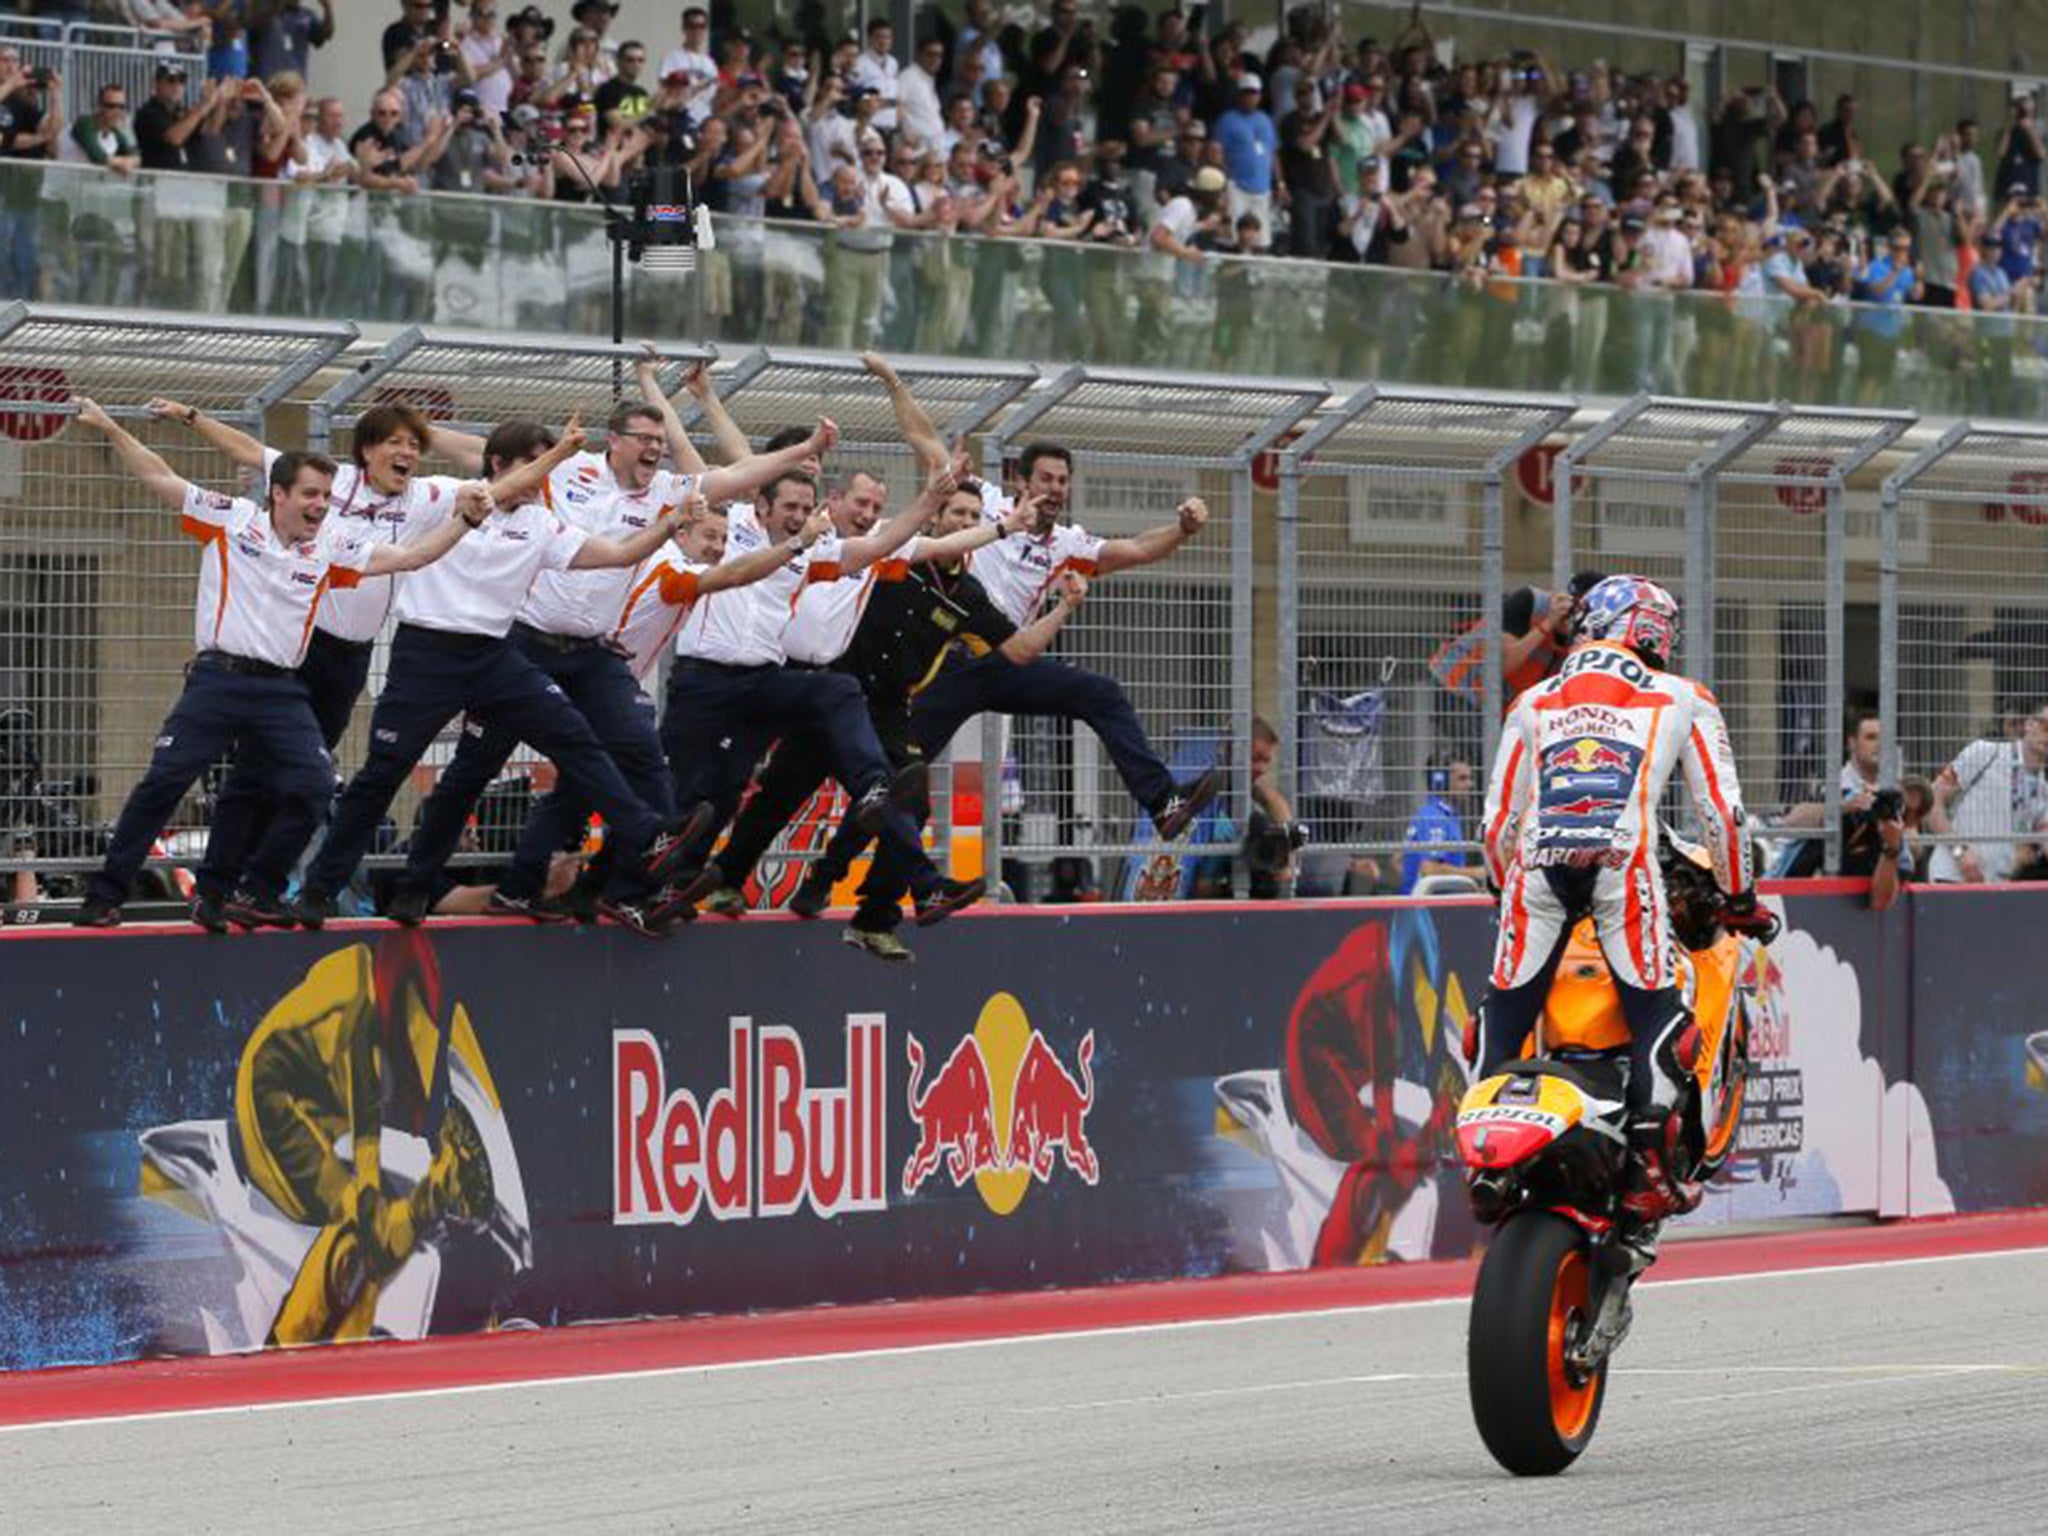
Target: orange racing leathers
{"x":1571,"y":831}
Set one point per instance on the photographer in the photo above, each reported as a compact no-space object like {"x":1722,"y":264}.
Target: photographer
{"x":2019,"y":148}
{"x":29,"y":123}
{"x":477,"y":158}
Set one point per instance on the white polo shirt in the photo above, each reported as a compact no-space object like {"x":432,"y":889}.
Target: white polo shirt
{"x":477,"y":587}
{"x":659,"y":597}
{"x":744,"y":626}
{"x":586,"y":495}
{"x":258,"y":595}
{"x":358,"y":510}
{"x":828,"y":612}
{"x":1020,"y":568}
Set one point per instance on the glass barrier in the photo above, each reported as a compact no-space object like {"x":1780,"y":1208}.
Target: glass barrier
{"x":75,"y":234}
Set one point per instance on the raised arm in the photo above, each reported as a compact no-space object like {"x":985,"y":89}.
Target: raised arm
{"x":918,"y":428}
{"x":523,"y":482}
{"x":647,"y":371}
{"x":143,"y":463}
{"x":236,"y":444}
{"x":1156,"y":543}
{"x":740,"y":480}
{"x":599,"y":553}
{"x":1035,"y":638}
{"x":858,"y":554}
{"x":732,"y":442}
{"x":763,"y":562}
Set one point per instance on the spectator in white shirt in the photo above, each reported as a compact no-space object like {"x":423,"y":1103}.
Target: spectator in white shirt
{"x":691,"y":66}
{"x":490,"y":56}
{"x":878,"y":69}
{"x":917,"y":95}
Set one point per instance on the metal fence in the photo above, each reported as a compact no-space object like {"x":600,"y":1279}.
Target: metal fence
{"x":1392,"y":551}
{"x":1361,"y":553}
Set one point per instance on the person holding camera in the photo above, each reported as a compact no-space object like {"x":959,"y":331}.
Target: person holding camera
{"x":29,"y":125}
{"x":477,"y":158}
{"x":2019,"y":147}
{"x":1995,"y":788}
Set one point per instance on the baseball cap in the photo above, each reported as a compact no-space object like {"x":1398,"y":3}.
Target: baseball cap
{"x":1470,"y":213}
{"x":170,"y":71}
{"x":2017,"y":189}
{"x":1633,"y":223}
{"x":1209,"y":179}
{"x":1249,"y":82}
{"x":1353,"y":91}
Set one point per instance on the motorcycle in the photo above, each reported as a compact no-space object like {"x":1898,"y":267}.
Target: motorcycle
{"x":1544,"y":1144}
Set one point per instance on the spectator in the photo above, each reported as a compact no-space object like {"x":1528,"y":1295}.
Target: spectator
{"x":489,"y":56}
{"x":1968,"y":172}
{"x":690,"y":68}
{"x":1308,"y":173}
{"x":1271,"y":834}
{"x":29,"y":117}
{"x":596,"y":17}
{"x":2019,"y":227}
{"x":287,"y":118}
{"x":1936,"y":236}
{"x":1438,"y":821}
{"x":417,"y":23}
{"x":577,"y":78}
{"x":284,"y":33}
{"x":2019,"y":149}
{"x":386,"y":155}
{"x":166,"y":123}
{"x":227,"y":51}
{"x":1249,"y":143}
{"x":1066,"y":128}
{"x":477,"y":158}
{"x":917,"y":95}
{"x":1994,"y":788}
{"x":1371,"y":223}
{"x":103,"y":136}
{"x":877,"y":69}
{"x":1838,"y":138}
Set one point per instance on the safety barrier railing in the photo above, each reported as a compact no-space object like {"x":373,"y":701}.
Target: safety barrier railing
{"x":1364,"y":555}
{"x":508,"y":265}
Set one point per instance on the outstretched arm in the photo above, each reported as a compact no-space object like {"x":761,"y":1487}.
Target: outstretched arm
{"x":144,"y":464}
{"x":858,"y":554}
{"x":763,"y":562}
{"x":520,"y":484}
{"x":744,"y":477}
{"x":599,"y":553}
{"x":236,"y":444}
{"x":1036,"y":638}
{"x":918,"y":428}
{"x":1156,"y":543}
{"x":465,"y":448}
{"x":1019,"y":519}
{"x":1710,"y":775}
{"x":732,"y":442}
{"x":472,"y":506}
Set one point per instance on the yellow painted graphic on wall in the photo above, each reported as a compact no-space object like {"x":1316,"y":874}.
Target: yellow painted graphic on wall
{"x":367,"y":1138}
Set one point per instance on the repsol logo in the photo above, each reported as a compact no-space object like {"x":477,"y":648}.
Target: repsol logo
{"x":1618,"y":663}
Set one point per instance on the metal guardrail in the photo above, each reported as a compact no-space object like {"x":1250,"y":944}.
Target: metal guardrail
{"x":1361,"y":543}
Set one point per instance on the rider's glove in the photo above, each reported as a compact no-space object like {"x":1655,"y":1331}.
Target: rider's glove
{"x":1742,"y":915}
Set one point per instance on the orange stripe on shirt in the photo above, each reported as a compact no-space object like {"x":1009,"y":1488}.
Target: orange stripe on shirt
{"x":1507,"y":801}
{"x":1720,"y":803}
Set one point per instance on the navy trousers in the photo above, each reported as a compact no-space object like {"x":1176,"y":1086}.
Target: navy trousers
{"x":264,"y":715}
{"x":247,"y":845}
{"x":436,"y":675}
{"x":720,"y":720}
{"x":598,"y":683}
{"x":995,"y":684}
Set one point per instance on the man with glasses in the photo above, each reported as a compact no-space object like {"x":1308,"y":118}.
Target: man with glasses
{"x":103,"y":135}
{"x":690,"y":67}
{"x":622,"y":100}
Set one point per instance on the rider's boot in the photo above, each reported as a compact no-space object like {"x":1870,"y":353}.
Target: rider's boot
{"x":1654,"y":1191}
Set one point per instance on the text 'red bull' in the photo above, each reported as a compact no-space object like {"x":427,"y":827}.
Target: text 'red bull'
{"x":741,"y":1152}
{"x":955,"y":1115}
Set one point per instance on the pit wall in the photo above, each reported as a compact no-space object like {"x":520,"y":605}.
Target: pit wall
{"x":753,"y":1116}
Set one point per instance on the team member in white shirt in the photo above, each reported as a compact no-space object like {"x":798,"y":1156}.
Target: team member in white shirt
{"x":451,"y":655}
{"x":262,"y":583}
{"x":564,"y":629}
{"x":1021,"y":571}
{"x":378,"y":496}
{"x":663,"y":590}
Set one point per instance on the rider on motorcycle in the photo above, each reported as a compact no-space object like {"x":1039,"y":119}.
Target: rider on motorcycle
{"x":1572,"y":831}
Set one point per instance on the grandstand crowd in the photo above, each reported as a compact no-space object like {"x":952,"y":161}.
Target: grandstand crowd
{"x":1156,"y":129}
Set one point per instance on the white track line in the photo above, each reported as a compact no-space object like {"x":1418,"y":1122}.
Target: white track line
{"x":1066,"y":1335}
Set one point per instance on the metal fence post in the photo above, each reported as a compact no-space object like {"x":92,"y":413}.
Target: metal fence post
{"x":1835,"y":708}
{"x":1892,"y":756}
{"x":1492,"y":553}
{"x":1241,"y":599}
{"x":1287,"y":594}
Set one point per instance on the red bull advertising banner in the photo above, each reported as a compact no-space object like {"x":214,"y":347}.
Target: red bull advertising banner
{"x":226,"y":1145}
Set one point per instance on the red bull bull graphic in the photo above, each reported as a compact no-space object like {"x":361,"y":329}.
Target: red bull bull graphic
{"x":767,"y":1144}
{"x":1005,"y":1074}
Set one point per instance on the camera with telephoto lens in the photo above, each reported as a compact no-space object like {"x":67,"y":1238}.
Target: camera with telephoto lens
{"x":1269,"y":847}
{"x":43,"y":816}
{"x":1888,"y":805}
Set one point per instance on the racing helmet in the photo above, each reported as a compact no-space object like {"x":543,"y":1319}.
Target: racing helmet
{"x":1635,"y":612}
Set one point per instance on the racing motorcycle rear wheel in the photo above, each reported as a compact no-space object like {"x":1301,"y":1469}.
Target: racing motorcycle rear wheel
{"x":1532,"y":1305}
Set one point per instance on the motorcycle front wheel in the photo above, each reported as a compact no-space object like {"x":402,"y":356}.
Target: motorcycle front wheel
{"x":1533,"y":1301}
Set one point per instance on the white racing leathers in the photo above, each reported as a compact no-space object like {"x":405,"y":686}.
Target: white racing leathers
{"x":1571,"y":830}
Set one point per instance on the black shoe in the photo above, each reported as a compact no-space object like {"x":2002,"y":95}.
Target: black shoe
{"x":537,"y":909}
{"x":695,"y":887}
{"x":726,"y":902}
{"x":312,"y":910}
{"x":247,"y":911}
{"x":208,"y":913}
{"x":946,"y":898}
{"x":408,"y":908}
{"x":811,"y":898}
{"x":647,"y":921}
{"x":97,"y":912}
{"x":668,"y":853}
{"x":903,"y":790}
{"x":671,"y":911}
{"x":1185,"y":804}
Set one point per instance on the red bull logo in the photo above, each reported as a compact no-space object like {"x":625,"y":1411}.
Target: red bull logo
{"x":768,"y":1143}
{"x":1588,"y":756}
{"x":1002,"y":1110}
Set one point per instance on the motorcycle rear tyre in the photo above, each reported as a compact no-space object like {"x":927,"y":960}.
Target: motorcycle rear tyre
{"x":1534,"y":1287}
